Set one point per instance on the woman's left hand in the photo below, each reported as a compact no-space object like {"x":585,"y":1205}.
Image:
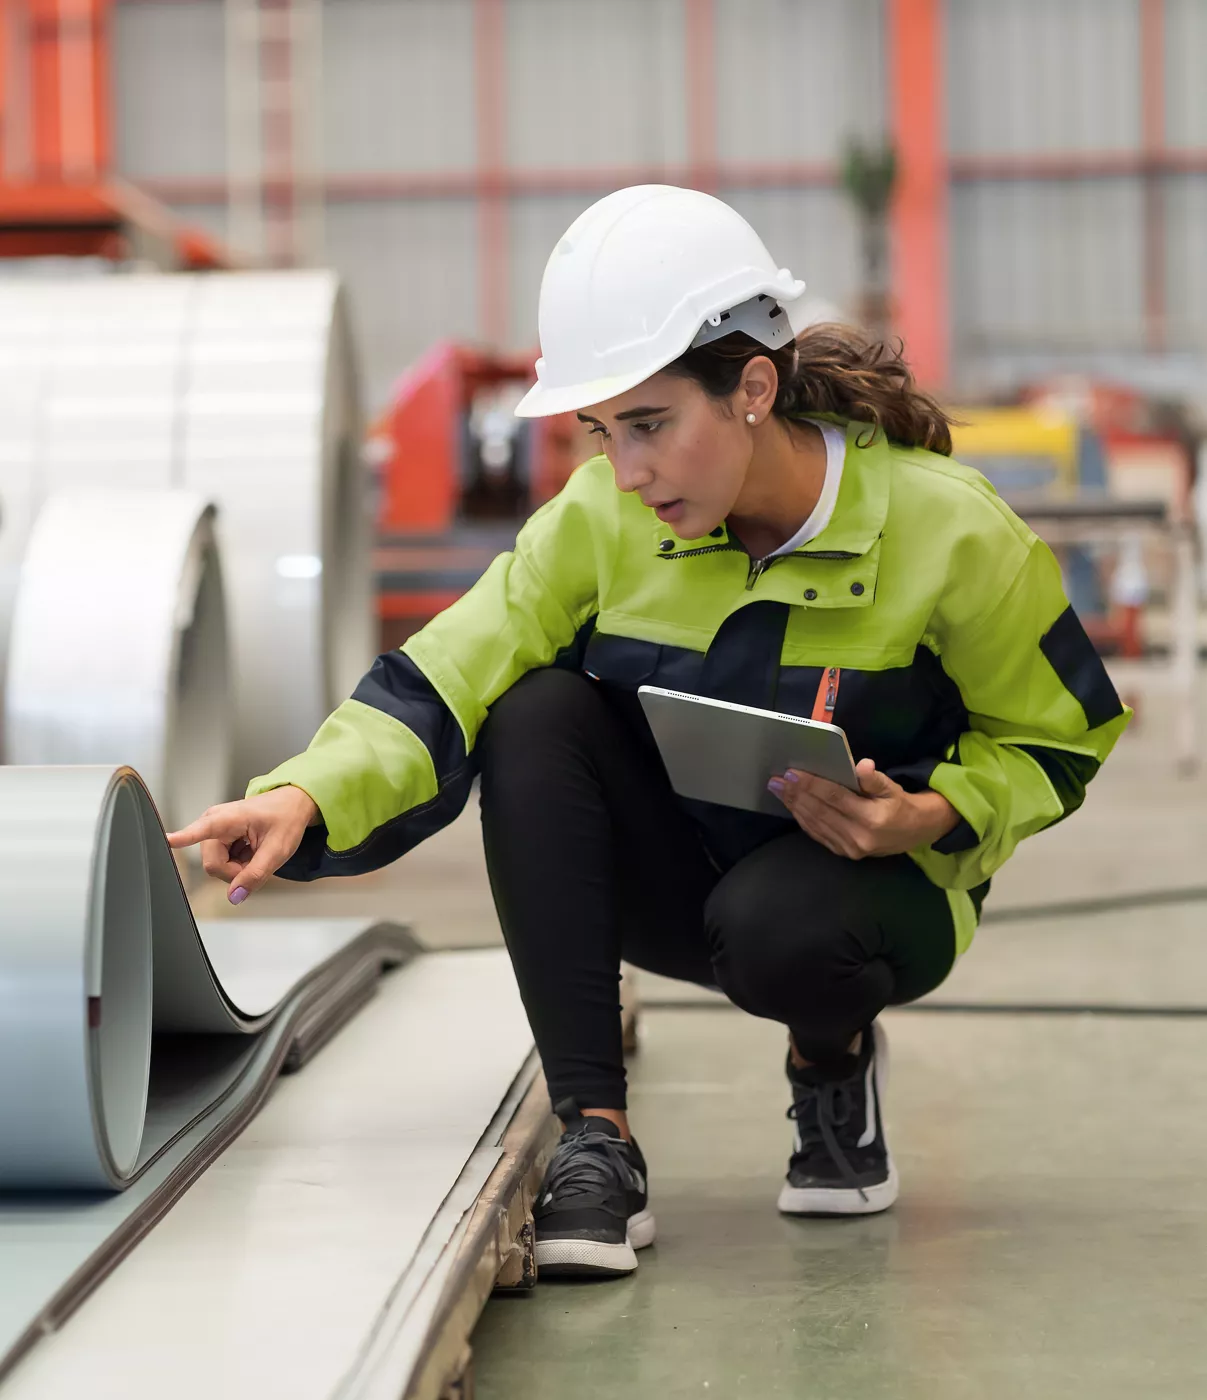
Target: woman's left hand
{"x":884,"y":821}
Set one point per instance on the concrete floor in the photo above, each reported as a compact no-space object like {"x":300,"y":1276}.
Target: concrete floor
{"x":1050,"y":1239}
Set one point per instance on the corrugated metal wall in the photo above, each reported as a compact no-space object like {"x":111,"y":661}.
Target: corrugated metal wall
{"x":797,"y":77}
{"x":593,"y":85}
{"x":398,"y":86}
{"x":1047,"y":264}
{"x":1185,"y":73}
{"x":1029,"y":76}
{"x":168,"y":89}
{"x":1045,"y":259}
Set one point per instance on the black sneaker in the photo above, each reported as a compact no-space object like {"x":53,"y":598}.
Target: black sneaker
{"x":840,"y":1163}
{"x":593,"y":1209}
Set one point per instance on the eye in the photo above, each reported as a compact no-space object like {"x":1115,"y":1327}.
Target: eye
{"x":647,"y":429}
{"x":598,"y":430}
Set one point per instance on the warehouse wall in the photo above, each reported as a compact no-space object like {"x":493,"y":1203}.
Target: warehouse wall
{"x":1053,"y":211}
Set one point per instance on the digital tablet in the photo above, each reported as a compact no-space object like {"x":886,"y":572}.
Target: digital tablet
{"x":718,"y":752}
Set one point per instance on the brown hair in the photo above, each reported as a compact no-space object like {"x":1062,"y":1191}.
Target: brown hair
{"x":831,"y":369}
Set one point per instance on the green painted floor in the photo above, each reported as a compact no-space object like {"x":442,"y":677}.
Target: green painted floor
{"x":1050,"y":1241}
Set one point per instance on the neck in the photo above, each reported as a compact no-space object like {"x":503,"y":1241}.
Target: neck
{"x":783,"y":484}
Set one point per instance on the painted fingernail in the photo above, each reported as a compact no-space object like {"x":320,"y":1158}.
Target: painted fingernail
{"x":776,"y":786}
{"x":238,"y":896}
{"x":791,"y":777}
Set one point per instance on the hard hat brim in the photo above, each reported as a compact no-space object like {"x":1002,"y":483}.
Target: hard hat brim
{"x":542,"y":401}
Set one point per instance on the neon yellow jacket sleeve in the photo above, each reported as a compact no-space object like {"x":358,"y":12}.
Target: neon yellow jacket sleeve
{"x":1043,"y":715}
{"x":392,"y":764}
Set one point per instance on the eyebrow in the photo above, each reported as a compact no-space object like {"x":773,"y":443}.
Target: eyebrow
{"x":644,"y":412}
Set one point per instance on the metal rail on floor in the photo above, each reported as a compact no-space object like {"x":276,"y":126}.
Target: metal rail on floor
{"x":496,"y":1252}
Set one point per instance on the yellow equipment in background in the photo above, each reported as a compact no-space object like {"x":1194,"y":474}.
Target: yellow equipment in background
{"x":1023,"y":451}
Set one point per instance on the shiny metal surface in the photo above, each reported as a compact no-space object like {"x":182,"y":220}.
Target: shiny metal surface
{"x":127,"y":1061}
{"x":241,"y":388}
{"x":97,"y":947}
{"x":119,"y":650}
{"x":304,"y":1256}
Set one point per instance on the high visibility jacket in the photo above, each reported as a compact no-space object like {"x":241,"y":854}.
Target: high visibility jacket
{"x":962,"y":666}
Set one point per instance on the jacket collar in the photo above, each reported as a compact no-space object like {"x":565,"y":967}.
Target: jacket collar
{"x":859,"y":512}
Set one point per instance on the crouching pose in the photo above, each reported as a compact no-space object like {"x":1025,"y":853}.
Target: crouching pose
{"x":774,"y":519}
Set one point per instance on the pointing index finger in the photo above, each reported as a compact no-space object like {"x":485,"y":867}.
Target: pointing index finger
{"x":210,"y":827}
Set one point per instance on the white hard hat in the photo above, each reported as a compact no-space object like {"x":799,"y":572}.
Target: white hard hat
{"x":639,"y":278}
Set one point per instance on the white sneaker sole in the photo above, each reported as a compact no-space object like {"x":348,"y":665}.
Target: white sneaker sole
{"x":829,"y":1200}
{"x":843,"y":1200}
{"x":582,"y":1258}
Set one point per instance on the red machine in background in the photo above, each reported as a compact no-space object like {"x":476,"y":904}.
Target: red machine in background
{"x":458,"y":474}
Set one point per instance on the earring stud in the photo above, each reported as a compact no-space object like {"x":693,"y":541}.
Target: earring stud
{"x":752,"y":417}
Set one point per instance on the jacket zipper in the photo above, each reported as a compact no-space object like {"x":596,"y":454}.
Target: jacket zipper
{"x":703,"y":549}
{"x":758,"y":567}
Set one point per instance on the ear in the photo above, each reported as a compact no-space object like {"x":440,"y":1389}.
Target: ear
{"x":758,"y":387}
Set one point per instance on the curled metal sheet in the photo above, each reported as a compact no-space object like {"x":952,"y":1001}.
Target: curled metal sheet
{"x":99,"y":950}
{"x":241,"y":388}
{"x":132,"y":1047}
{"x":118,"y":652}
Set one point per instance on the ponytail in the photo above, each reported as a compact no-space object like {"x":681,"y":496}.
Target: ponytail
{"x":832,"y":369}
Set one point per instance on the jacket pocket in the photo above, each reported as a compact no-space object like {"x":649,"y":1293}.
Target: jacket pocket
{"x":623,"y":661}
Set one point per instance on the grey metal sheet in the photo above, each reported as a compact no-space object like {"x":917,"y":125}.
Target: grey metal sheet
{"x":126,"y":1063}
{"x":314,"y":1240}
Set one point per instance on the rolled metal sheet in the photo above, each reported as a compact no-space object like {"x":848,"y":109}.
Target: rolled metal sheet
{"x":241,"y":388}
{"x":118,"y":651}
{"x":129,"y":1052}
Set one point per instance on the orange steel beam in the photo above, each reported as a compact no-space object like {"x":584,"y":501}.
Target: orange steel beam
{"x":1152,"y":115}
{"x":506,"y":184}
{"x":1079,"y":165}
{"x":919,"y":214}
{"x":700,"y":83}
{"x":786,"y":175}
{"x":55,"y":89}
{"x":489,"y":188}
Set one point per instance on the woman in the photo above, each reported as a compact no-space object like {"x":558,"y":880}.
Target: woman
{"x":774,"y":521}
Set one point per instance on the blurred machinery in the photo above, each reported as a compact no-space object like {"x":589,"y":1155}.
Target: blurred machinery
{"x":58,"y":198}
{"x":1084,"y":444}
{"x":457,"y":475}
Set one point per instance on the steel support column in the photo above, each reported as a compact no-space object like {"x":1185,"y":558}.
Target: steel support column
{"x":919,"y":214}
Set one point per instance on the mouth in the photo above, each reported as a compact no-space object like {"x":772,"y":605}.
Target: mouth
{"x":669,"y":511}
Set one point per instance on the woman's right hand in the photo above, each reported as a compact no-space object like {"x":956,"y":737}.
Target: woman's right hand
{"x":245,"y":842}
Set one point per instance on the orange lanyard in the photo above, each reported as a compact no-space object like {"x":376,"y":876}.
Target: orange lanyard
{"x":827,"y":695}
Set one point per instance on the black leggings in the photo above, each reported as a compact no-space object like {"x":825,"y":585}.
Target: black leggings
{"x":592,"y":859}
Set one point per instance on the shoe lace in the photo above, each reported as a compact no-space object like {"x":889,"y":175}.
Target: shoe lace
{"x":827,"y":1106}
{"x":586,"y":1164}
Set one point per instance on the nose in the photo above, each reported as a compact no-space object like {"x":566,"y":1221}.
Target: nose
{"x":630,"y":475}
